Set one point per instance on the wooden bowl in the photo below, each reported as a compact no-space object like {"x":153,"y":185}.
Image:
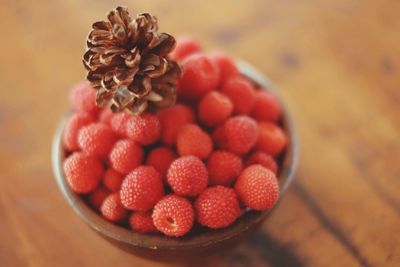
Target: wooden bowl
{"x":159,"y":247}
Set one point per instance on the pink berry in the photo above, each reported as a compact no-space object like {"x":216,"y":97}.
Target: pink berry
{"x":241,"y":92}
{"x":223,"y":167}
{"x":97,"y":196}
{"x":161,"y":158}
{"x":119,"y":122}
{"x":266,"y":107}
{"x":125,"y":156}
{"x":83,"y":98}
{"x":192,"y":140}
{"x":263,"y":159}
{"x":112,"y":209}
{"x":76,"y":122}
{"x":142,"y":222}
{"x":112,"y":180}
{"x":272,"y":138}
{"x":144,"y":129}
{"x":185,"y":46}
{"x":214,"y":108}
{"x":227,"y":66}
{"x":96,"y":139}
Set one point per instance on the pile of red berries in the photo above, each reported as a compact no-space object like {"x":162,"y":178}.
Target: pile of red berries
{"x":203,"y":160}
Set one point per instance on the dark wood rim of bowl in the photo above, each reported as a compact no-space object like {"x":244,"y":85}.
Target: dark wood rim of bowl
{"x":160,"y":242}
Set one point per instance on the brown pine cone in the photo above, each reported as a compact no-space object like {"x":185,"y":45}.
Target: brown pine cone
{"x":127,"y":62}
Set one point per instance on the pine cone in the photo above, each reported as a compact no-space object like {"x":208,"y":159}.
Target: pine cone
{"x":127,"y":62}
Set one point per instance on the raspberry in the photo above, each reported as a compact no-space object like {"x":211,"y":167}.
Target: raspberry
{"x":71,"y":130}
{"x":142,"y":222}
{"x":219,"y":137}
{"x":192,"y":140}
{"x":144,"y":128}
{"x":112,"y":180}
{"x":112,"y":209}
{"x":141,"y":189}
{"x":172,"y":119}
{"x":185,"y":46}
{"x":266,"y":107}
{"x":214,"y":108}
{"x":118,"y":123}
{"x":83,"y":98}
{"x":241,"y":133}
{"x":263,"y":159}
{"x":272,"y":139}
{"x":200,"y":76}
{"x":83,"y":172}
{"x":241,"y":93}
{"x":257,"y":187}
{"x":226,"y":65}
{"x":217,"y":207}
{"x":97,"y":197}
{"x":106,"y":116}
{"x":223,"y":167}
{"x":173,"y":215}
{"x":96,"y":139}
{"x":160,"y":158}
{"x":187,"y":176}
{"x":125,"y":156}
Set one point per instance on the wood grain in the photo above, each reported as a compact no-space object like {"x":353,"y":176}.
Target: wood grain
{"x":337,"y":66}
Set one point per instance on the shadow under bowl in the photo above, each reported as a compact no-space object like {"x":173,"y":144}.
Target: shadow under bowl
{"x":163,"y":248}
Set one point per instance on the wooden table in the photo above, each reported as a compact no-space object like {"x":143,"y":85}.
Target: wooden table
{"x":337,"y":66}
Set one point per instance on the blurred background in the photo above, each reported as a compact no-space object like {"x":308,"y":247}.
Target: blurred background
{"x":335,"y":63}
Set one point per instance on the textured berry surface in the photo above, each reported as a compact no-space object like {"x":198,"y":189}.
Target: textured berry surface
{"x":272,"y":138}
{"x":217,"y":207}
{"x":187,"y":176}
{"x":144,"y":128}
{"x":241,"y":134}
{"x":172,"y":119}
{"x":214,"y":108}
{"x":200,"y":76}
{"x":71,"y":130}
{"x":83,"y":98}
{"x":226,"y":65}
{"x":125,"y":156}
{"x":223,"y":167}
{"x":241,"y":93}
{"x":112,"y":209}
{"x":192,"y":140}
{"x":83,"y":172}
{"x":97,"y":197}
{"x":263,"y":159}
{"x":257,"y":187}
{"x":118,"y":123}
{"x":266,"y":107}
{"x":173,"y":215}
{"x":161,"y":158}
{"x":142,"y":222}
{"x":106,"y":116}
{"x":185,"y":46}
{"x":96,"y":139}
{"x":141,"y":189}
{"x":112,"y":180}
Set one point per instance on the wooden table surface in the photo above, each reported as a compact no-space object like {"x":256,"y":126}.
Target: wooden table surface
{"x":336,"y":64}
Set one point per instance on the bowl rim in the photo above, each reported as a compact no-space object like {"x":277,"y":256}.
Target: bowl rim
{"x":161,"y":242}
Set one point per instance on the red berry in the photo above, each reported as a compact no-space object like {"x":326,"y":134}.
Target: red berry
{"x":118,"y":123}
{"x":223,"y":167}
{"x":125,"y":156}
{"x":200,"y":76}
{"x":112,"y":209}
{"x":97,"y":197}
{"x":241,"y":92}
{"x":192,"y":140}
{"x":142,"y":189}
{"x":144,"y":129}
{"x":83,"y":173}
{"x":173,"y":215}
{"x":263,"y":159}
{"x":106,"y":116}
{"x":226,"y":65}
{"x":266,"y":107}
{"x":83,"y":98}
{"x":96,"y":139}
{"x":257,"y":187}
{"x":161,"y":158}
{"x":272,"y":138}
{"x":187,"y":176}
{"x":217,"y":207}
{"x":219,"y":137}
{"x":142,"y":222}
{"x":172,"y":119}
{"x":185,"y":46}
{"x":112,"y":180}
{"x":214,"y":108}
{"x":241,"y":134}
{"x":72,"y":127}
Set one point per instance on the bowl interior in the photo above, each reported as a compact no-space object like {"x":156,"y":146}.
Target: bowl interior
{"x":198,"y":239}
